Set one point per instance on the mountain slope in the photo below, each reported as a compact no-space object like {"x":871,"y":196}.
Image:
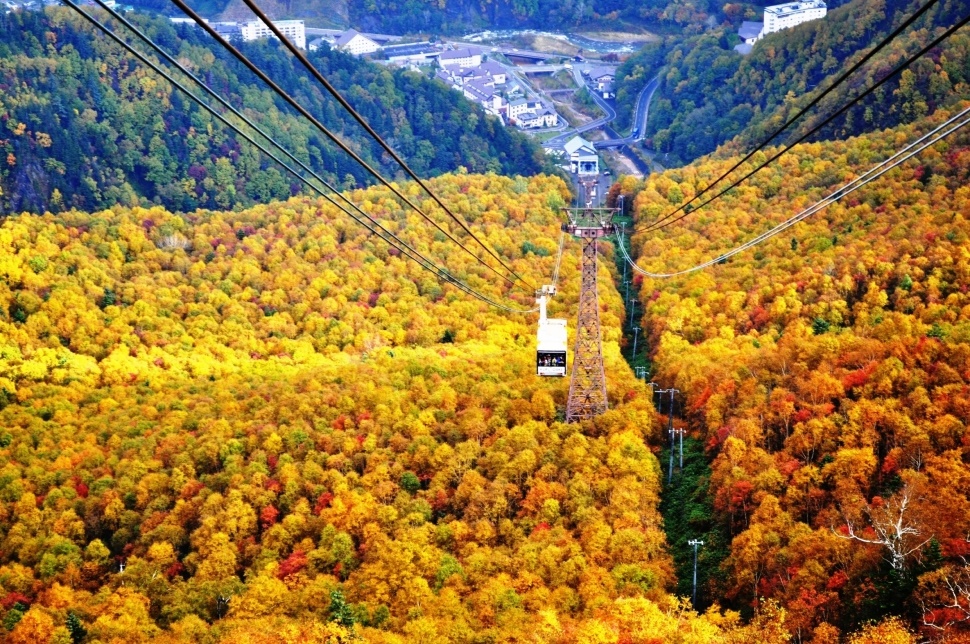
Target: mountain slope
{"x":710,"y":95}
{"x":280,"y":426}
{"x":826,"y":373}
{"x":88,"y":127}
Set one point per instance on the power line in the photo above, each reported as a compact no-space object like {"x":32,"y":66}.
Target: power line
{"x":320,"y":126}
{"x":404,"y":247}
{"x":360,"y":119}
{"x":874,"y":87}
{"x":874,"y":173}
{"x":805,"y":109}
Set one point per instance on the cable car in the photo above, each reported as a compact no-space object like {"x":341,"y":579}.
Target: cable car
{"x":551,"y":339}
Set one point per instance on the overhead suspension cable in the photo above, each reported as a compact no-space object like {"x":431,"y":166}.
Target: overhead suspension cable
{"x":841,"y":79}
{"x":375,"y":226}
{"x":333,"y":137}
{"x":555,"y":273}
{"x":936,"y":41}
{"x":370,"y":130}
{"x":945,"y":129}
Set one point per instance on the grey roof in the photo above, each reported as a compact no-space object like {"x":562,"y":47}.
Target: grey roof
{"x":743,"y":48}
{"x":578,"y":143}
{"x":410,"y":49}
{"x":750,"y":29}
{"x":599,"y":72}
{"x":792,"y":7}
{"x":464,"y":52}
{"x":444,"y":76}
{"x":479,"y":90}
{"x":492,"y":68}
{"x":347,"y":36}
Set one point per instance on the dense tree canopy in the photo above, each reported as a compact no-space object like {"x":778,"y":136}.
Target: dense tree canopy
{"x":709,"y":94}
{"x":826,"y":373}
{"x":267,"y":424}
{"x":87,"y":126}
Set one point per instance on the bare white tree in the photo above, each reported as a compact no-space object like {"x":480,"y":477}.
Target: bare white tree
{"x":952,"y":599}
{"x":955,"y":608}
{"x":174,"y":241}
{"x":893,"y":527}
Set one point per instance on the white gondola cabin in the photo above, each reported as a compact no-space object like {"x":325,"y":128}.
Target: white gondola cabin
{"x":551,"y":339}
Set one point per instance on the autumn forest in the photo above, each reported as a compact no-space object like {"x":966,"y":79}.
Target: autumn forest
{"x":231,"y":414}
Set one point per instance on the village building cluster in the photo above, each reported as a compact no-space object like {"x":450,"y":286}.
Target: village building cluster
{"x":488,"y":84}
{"x":465,"y":69}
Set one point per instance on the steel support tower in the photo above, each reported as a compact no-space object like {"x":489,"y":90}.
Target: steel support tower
{"x":587,"y":388}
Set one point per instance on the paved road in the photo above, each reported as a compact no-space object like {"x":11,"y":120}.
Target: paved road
{"x":533,"y":69}
{"x":639,"y":118}
{"x":609,"y":114}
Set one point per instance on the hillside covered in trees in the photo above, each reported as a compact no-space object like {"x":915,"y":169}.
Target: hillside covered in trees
{"x":267,"y":426}
{"x":462,"y":16}
{"x":825,"y":379}
{"x":85,"y":125}
{"x":457,"y":17}
{"x":709,"y":94}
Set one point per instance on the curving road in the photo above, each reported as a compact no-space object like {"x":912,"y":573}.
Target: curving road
{"x":609,"y":115}
{"x":616,"y":141}
{"x":639,"y":117}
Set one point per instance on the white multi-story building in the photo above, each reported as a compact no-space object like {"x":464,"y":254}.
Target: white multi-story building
{"x":786,"y":16}
{"x":464,"y":57}
{"x":353,"y":42}
{"x":294,"y":30}
{"x":522,"y":106}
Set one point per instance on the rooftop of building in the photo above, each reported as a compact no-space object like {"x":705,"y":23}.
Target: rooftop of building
{"x":578,"y":143}
{"x":795,"y":7}
{"x":751,"y":29}
{"x":349,"y":35}
{"x":410,"y":49}
{"x":464,"y":52}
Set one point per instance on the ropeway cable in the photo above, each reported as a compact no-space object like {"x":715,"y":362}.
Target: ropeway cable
{"x":841,"y":79}
{"x":363,"y":123}
{"x":406,"y":249}
{"x":555,"y":273}
{"x":934,"y":136}
{"x":898,"y":69}
{"x":333,"y":137}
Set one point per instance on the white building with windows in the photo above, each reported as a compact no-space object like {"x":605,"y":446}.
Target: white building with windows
{"x":294,"y":30}
{"x":356,"y":43}
{"x":786,"y":16}
{"x":522,"y":106}
{"x":464,"y":57}
{"x":582,"y":156}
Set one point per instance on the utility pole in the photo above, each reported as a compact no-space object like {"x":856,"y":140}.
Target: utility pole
{"x":636,"y":332}
{"x":670,"y":428}
{"x":696,"y":543}
{"x":633,"y":307}
{"x":587,"y":387}
{"x":670,"y":467}
{"x":680,"y":432}
{"x":642,"y":373}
